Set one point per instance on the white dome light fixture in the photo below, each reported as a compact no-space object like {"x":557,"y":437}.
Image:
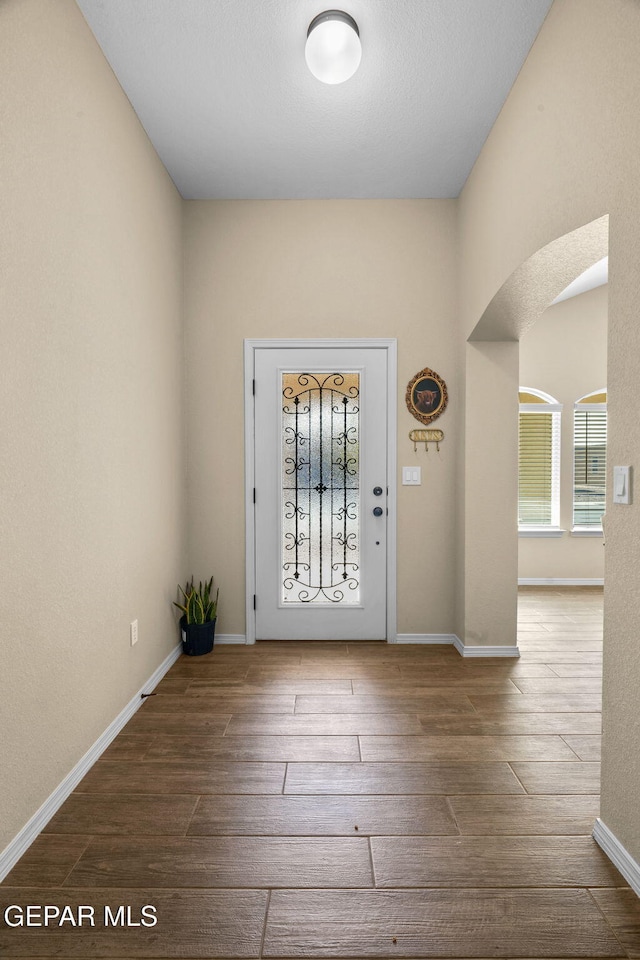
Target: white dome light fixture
{"x":333,"y":50}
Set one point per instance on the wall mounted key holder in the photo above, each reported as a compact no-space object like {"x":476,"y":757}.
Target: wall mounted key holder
{"x":426,"y":437}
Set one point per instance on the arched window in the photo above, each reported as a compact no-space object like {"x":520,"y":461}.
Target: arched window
{"x":538,"y":463}
{"x":589,"y":462}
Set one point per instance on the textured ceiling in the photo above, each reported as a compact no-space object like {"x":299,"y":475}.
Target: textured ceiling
{"x":222,"y":89}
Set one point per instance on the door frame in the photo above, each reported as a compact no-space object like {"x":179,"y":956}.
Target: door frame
{"x":391,"y":348}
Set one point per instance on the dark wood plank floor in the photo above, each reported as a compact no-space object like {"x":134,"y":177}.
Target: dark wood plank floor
{"x":294,"y":800}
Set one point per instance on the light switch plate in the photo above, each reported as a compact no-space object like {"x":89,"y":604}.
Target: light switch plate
{"x":411,"y":476}
{"x":622,"y":484}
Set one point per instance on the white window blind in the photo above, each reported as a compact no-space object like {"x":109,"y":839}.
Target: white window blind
{"x":589,"y":464}
{"x":538,"y":467}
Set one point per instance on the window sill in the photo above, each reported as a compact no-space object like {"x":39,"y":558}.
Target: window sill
{"x":587,"y":532}
{"x":549,"y":532}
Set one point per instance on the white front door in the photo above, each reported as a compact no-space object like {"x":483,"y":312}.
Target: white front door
{"x":321,"y":492}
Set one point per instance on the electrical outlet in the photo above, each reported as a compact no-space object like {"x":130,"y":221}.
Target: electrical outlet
{"x":133,"y":632}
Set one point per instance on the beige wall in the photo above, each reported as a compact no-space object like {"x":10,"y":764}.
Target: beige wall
{"x":310,"y":269}
{"x":565,"y":354}
{"x":91,"y":467}
{"x":490,"y":599}
{"x":562,"y":153}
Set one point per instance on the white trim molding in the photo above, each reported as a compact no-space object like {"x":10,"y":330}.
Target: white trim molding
{"x":18,"y":846}
{"x":560,"y":582}
{"x":451,"y":639}
{"x":544,"y":532}
{"x":619,"y":856}
{"x":436,"y":638}
{"x":476,"y":650}
{"x":540,"y":407}
{"x":223,"y":638}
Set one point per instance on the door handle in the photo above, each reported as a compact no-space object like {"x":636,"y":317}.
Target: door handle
{"x":377,"y":491}
{"x":378,"y":511}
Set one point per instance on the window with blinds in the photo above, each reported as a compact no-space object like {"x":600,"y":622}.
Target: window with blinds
{"x":538,"y":461}
{"x":589,"y":460}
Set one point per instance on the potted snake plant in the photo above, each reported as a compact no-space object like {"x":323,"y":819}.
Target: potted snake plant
{"x":198,"y":621}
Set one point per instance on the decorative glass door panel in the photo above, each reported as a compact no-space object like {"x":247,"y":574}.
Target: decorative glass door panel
{"x":320,"y":477}
{"x":320,"y":488}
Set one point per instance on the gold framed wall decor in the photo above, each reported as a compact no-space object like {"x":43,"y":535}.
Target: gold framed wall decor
{"x":426,"y":396}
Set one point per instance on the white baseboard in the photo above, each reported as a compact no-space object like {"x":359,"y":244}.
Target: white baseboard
{"x":12,"y":853}
{"x":560,"y":582}
{"x":620,"y":858}
{"x":425,"y":638}
{"x":463,"y":650}
{"x":467,"y":650}
{"x":230,"y":638}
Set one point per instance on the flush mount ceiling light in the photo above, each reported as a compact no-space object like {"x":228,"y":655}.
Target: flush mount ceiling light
{"x":333,"y":51}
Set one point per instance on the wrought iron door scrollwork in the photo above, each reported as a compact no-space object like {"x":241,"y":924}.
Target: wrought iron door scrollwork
{"x":321,"y":487}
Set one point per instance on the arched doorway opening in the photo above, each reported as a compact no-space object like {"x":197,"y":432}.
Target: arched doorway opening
{"x":491,"y":431}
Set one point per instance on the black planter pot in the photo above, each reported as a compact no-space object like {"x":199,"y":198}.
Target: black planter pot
{"x":197,"y":638}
